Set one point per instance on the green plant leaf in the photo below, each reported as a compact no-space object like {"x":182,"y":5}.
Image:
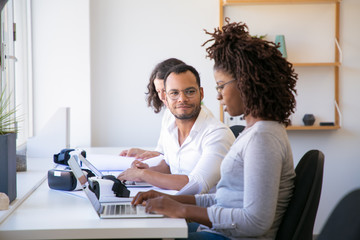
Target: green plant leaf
{"x":7,"y":115}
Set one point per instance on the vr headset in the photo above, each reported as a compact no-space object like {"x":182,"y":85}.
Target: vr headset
{"x":104,"y":185}
{"x":64,"y":179}
{"x":64,"y":155}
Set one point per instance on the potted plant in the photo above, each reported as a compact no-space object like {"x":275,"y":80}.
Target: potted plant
{"x":8,"y":132}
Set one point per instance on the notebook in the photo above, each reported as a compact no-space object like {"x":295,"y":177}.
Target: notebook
{"x":100,"y":174}
{"x":108,"y":210}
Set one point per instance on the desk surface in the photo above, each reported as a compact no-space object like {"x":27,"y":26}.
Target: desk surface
{"x":51,"y":214}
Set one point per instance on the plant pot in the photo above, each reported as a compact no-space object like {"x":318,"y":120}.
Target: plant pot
{"x":8,"y":165}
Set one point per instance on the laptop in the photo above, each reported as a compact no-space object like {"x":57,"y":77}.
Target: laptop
{"x":109,"y":209}
{"x":100,"y":174}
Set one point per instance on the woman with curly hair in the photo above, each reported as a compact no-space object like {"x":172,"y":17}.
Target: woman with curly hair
{"x":257,"y":174}
{"x":155,"y":99}
{"x":156,"y":91}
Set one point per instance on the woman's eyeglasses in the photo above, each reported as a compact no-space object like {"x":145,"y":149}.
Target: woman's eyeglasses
{"x":221,"y":87}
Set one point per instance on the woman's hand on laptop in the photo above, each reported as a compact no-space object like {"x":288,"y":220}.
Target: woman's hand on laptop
{"x":142,"y":197}
{"x":166,"y":206}
{"x":175,"y":206}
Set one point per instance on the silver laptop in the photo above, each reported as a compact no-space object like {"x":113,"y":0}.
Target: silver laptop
{"x":100,"y":174}
{"x":108,"y":210}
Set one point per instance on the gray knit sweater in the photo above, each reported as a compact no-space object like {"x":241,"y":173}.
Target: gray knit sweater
{"x":257,"y":180}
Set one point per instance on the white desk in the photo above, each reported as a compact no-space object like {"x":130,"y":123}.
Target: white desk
{"x":51,"y":214}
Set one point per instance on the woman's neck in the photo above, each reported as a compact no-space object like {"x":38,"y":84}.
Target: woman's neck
{"x":250,"y":120}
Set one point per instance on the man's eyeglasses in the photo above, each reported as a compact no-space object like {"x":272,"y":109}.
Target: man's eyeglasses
{"x":221,"y":87}
{"x":175,"y":94}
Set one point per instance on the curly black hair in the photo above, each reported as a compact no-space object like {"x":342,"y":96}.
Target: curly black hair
{"x":265,"y":79}
{"x":182,"y":68}
{"x":159,"y":72}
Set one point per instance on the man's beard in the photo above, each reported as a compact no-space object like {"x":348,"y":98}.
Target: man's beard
{"x":192,"y":115}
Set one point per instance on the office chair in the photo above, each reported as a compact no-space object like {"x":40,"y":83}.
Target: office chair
{"x":298,"y":220}
{"x":344,"y":221}
{"x":237,"y":129}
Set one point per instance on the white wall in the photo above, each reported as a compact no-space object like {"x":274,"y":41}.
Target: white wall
{"x":341,"y":147}
{"x":61,"y":64}
{"x":129,"y":37}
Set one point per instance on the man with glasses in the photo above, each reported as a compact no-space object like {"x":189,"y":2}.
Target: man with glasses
{"x":194,"y":143}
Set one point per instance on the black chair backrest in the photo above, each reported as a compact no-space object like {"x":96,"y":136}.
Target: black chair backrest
{"x":344,"y":221}
{"x":237,"y":129}
{"x":299,"y":218}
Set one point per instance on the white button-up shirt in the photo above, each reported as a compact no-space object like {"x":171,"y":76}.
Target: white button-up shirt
{"x":200,"y":155}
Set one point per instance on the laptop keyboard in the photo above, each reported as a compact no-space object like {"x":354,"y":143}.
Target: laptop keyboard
{"x":124,"y":209}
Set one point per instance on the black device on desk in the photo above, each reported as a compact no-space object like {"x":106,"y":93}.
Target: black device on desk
{"x":102,"y":184}
{"x":64,"y":155}
{"x":64,"y":179}
{"x":108,"y":185}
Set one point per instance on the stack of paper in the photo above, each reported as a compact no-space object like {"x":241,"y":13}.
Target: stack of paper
{"x":107,"y":162}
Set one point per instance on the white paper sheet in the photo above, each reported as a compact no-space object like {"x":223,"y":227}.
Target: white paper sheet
{"x":108,"y":162}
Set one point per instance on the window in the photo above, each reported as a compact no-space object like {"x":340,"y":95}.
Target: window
{"x":16,"y":64}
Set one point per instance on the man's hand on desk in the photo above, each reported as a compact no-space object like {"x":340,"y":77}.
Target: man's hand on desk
{"x":139,"y":164}
{"x":131,"y":174}
{"x":139,"y":154}
{"x":134,"y":173}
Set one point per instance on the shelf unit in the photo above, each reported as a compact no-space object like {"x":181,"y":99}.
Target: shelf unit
{"x":335,"y":64}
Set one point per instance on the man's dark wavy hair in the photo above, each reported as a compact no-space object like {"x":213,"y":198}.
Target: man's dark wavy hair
{"x":159,"y":72}
{"x":265,"y":79}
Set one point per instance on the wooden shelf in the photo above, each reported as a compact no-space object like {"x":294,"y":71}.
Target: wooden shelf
{"x":319,"y":64}
{"x":229,"y":2}
{"x":290,"y":128}
{"x":336,"y":64}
